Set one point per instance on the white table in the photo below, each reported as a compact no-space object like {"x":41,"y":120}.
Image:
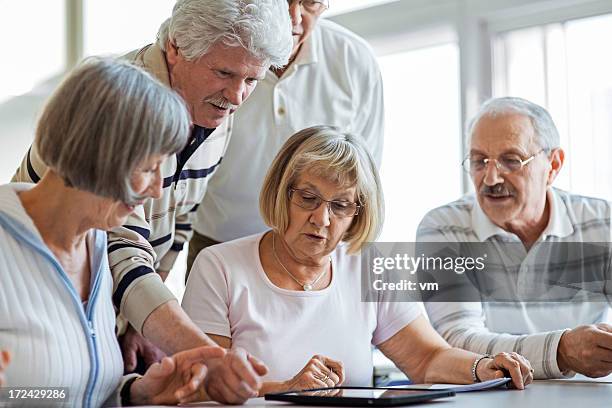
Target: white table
{"x":578,"y":392}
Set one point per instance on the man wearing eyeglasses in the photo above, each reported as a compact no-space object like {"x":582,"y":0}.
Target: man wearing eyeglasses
{"x":514,"y":157}
{"x":332,"y":79}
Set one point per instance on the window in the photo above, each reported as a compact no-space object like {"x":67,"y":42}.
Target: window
{"x":567,"y":68}
{"x":33,"y":47}
{"x":345,"y":6}
{"x":116,"y":26}
{"x":34,"y":54}
{"x":422,"y":149}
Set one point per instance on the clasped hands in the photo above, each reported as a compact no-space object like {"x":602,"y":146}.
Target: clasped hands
{"x":227,"y":376}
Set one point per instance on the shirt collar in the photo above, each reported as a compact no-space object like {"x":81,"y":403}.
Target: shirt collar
{"x":308,"y":54}
{"x":482,"y":224}
{"x":559,"y":223}
{"x":11,"y":205}
{"x":154,"y":61}
{"x":198,"y":136}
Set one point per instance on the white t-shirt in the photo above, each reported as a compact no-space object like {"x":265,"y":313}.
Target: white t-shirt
{"x":229,"y":294}
{"x":334,"y":80}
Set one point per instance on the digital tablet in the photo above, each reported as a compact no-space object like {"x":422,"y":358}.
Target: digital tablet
{"x":358,"y":396}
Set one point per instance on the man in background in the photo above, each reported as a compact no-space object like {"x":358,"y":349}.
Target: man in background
{"x":332,"y":79}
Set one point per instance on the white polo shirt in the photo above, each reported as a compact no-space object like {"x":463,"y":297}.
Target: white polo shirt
{"x":529,"y":328}
{"x":334,"y":80}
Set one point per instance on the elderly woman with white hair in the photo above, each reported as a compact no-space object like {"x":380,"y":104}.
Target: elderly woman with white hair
{"x":212,"y":53}
{"x":103,"y":134}
{"x":293,"y":295}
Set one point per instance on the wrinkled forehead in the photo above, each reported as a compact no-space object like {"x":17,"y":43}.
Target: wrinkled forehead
{"x":234,"y":59}
{"x":506,"y":132}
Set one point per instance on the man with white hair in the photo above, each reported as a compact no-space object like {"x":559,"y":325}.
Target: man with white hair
{"x":514,"y":157}
{"x":332,"y":78}
{"x":212,"y":53}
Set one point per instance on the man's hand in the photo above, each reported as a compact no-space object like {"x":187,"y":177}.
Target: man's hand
{"x":5,"y":359}
{"x":234,"y":378}
{"x":177,"y":379}
{"x":586,"y":350}
{"x":134,"y":345}
{"x":504,"y":364}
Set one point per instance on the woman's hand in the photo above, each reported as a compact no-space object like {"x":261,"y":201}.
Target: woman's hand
{"x":319,"y":372}
{"x":176,"y":379}
{"x":5,"y":359}
{"x":504,"y":364}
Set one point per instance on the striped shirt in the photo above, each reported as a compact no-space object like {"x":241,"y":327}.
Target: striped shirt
{"x":155,"y":233}
{"x":529,"y":328}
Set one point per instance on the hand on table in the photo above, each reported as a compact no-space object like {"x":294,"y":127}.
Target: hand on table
{"x":235,"y":377}
{"x":176,"y":379}
{"x":319,"y":372}
{"x":586,"y":350}
{"x":504,"y":364}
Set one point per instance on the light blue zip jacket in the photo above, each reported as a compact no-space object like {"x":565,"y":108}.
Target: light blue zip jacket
{"x":54,"y":340}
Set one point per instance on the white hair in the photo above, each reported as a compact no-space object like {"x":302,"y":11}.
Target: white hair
{"x":105,"y":118}
{"x":262,"y":27}
{"x":339,"y":157}
{"x":547,"y":134}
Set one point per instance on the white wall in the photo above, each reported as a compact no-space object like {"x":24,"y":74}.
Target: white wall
{"x":17,"y":126}
{"x":405,"y":24}
{"x":389,"y":27}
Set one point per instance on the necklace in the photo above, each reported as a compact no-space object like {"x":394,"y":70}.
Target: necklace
{"x":305,"y":285}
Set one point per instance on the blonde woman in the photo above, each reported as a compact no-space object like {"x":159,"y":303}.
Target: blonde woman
{"x":293,"y":294}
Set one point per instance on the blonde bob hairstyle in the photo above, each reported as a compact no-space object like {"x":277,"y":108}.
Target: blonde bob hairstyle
{"x":340,"y":157}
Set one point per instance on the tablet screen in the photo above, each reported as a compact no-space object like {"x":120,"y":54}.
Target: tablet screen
{"x":358,"y":393}
{"x":358,"y":396}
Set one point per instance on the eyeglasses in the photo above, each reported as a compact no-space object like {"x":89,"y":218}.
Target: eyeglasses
{"x":507,"y":163}
{"x":311,"y":201}
{"x":315,"y":7}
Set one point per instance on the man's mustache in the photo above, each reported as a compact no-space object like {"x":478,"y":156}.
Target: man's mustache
{"x":221,"y":102}
{"x":499,"y":189}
